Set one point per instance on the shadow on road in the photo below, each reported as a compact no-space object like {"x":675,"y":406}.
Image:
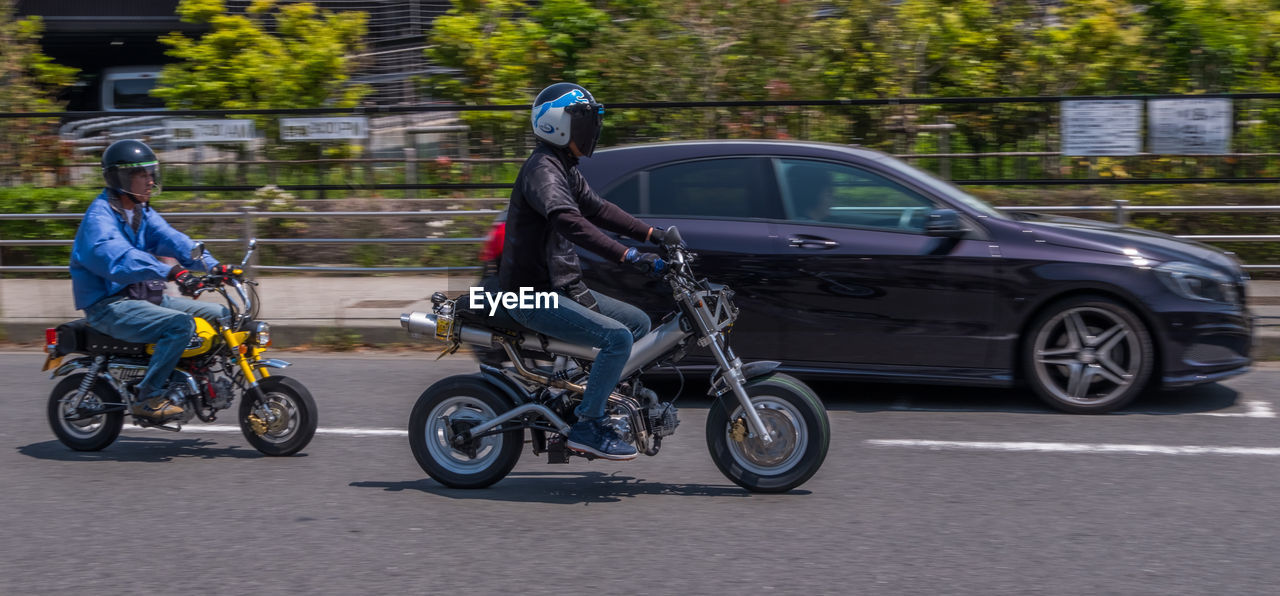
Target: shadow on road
{"x":844,"y":395}
{"x":860,"y":397}
{"x":141,"y":449}
{"x":571,"y":488}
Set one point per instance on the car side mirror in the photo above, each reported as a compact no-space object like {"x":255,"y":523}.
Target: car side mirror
{"x":945,"y":223}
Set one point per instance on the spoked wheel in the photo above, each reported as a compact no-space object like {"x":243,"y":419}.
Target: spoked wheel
{"x":450,"y":407}
{"x":796,"y":421}
{"x":1088,"y":355}
{"x":284,"y":422}
{"x":94,"y":424}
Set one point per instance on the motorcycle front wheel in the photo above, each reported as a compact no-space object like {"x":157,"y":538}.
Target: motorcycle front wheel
{"x":93,"y":425}
{"x":292,"y":420}
{"x":448,"y":407}
{"x":795,"y":419}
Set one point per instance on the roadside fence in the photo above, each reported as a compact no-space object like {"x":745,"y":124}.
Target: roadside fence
{"x":1121,"y":212}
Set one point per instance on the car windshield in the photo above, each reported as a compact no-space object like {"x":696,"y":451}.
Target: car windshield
{"x":945,"y":187}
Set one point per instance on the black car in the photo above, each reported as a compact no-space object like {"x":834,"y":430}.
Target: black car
{"x":849,"y":262}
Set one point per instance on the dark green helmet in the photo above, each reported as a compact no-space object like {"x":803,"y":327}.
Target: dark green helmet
{"x":126,"y":158}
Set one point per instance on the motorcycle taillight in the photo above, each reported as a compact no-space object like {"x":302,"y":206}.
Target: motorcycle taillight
{"x":492,"y":249}
{"x":50,"y":340}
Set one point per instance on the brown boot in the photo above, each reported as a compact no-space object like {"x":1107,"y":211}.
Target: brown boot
{"x":156,"y":409}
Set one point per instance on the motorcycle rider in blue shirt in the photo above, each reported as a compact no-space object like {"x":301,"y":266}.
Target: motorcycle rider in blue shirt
{"x":119,"y":282}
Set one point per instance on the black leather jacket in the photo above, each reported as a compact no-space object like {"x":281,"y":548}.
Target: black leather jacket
{"x":549,"y":212}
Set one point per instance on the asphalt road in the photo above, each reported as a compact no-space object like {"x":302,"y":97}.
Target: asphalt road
{"x":925,"y":491}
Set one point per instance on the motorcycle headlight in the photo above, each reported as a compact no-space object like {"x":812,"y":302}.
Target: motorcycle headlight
{"x":261,"y":334}
{"x":1196,"y":282}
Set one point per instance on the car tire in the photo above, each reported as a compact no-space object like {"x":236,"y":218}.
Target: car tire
{"x":1088,"y":355}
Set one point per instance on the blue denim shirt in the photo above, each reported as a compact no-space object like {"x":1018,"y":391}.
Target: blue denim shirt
{"x":108,"y":254}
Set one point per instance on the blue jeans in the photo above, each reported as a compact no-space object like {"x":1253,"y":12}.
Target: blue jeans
{"x":613,"y":330}
{"x":168,"y":325}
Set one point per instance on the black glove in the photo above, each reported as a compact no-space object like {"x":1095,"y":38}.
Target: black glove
{"x":188,"y":283}
{"x":644,"y":262}
{"x":657,"y":235}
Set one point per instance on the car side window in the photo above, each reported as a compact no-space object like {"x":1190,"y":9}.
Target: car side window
{"x":626,"y":194}
{"x":727,"y":188}
{"x":825,"y":192}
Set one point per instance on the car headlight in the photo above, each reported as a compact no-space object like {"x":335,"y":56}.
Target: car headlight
{"x":1196,"y":282}
{"x":261,"y":334}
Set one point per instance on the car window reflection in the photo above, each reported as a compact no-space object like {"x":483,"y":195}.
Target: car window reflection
{"x":840,"y":194}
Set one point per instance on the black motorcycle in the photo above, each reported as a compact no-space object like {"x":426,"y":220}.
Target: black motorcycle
{"x":767,"y":431}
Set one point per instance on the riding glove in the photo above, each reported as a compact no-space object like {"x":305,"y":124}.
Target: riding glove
{"x":188,"y":283}
{"x":645,"y":262}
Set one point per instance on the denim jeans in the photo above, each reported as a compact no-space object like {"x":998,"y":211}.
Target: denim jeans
{"x":613,"y":330}
{"x":168,"y":325}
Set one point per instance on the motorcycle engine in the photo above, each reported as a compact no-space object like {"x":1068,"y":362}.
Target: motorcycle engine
{"x":180,"y":393}
{"x":663,"y":419}
{"x":220,"y":390}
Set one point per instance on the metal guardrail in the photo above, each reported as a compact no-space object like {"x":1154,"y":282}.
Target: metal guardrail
{"x":1120,"y":208}
{"x":250,"y":219}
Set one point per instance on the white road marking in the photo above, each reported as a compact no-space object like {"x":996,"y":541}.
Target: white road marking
{"x":1257,"y":409}
{"x":1254,"y":409}
{"x":1075,"y":447}
{"x":351,"y":432}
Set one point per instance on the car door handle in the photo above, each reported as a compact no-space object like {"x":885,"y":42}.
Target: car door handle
{"x":803,"y":241}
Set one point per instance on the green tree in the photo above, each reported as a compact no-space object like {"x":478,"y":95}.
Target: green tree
{"x":1214,"y":45}
{"x":504,"y":51}
{"x":273,"y":55}
{"x":1092,"y":47}
{"x":303,"y":59}
{"x":29,"y":82}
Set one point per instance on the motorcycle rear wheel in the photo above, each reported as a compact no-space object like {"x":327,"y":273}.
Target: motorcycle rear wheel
{"x":797,"y":421}
{"x":295,"y":417}
{"x":88,"y":434}
{"x":439,"y":412}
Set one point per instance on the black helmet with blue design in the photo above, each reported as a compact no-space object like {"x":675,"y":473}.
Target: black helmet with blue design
{"x":564,"y":113}
{"x":126,"y":158}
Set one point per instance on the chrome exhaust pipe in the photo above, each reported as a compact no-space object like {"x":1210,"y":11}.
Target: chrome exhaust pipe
{"x":513,"y":413}
{"x":423,"y":325}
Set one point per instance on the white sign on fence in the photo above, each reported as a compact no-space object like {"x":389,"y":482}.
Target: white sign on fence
{"x":1102,"y":127}
{"x":209,"y":131}
{"x":319,"y":129}
{"x":1189,"y":126}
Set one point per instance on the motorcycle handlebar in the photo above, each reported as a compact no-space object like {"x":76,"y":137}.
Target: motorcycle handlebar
{"x":672,"y":238}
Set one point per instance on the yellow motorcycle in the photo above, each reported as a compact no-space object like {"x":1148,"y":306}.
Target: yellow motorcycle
{"x":222,"y":362}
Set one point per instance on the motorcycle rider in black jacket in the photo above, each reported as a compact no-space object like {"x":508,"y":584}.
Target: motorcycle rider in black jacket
{"x":553,"y":208}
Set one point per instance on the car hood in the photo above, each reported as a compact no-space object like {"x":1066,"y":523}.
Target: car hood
{"x":1112,"y":238}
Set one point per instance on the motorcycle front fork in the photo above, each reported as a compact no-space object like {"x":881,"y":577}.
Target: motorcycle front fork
{"x":263,"y":414}
{"x":733,"y":378}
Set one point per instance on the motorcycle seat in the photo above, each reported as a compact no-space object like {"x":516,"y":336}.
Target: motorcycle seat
{"x":78,"y":337}
{"x":499,"y":320}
